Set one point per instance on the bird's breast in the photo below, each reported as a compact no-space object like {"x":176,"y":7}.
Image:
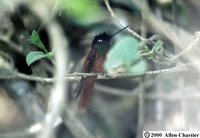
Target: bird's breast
{"x":98,"y":65}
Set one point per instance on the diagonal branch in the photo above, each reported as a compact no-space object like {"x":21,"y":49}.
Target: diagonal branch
{"x":117,"y":20}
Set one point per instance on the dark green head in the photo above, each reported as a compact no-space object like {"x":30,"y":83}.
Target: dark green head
{"x":101,"y":42}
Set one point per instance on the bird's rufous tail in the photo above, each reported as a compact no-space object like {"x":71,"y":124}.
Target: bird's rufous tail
{"x":85,"y":89}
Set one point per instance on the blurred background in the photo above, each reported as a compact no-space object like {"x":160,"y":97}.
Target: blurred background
{"x":119,"y":108}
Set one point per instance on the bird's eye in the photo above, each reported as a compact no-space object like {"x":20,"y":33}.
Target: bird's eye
{"x":99,"y":40}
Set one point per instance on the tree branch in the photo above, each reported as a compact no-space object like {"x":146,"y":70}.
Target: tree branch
{"x":56,"y":103}
{"x":77,"y":76}
{"x":137,"y":36}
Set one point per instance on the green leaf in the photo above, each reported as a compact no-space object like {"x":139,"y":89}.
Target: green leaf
{"x":34,"y":56}
{"x":35,"y":39}
{"x":124,"y":57}
{"x":82,"y":11}
{"x":158,"y":46}
{"x":49,"y":55}
{"x":139,"y":68}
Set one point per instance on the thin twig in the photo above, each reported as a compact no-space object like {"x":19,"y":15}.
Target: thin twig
{"x":75,"y":126}
{"x":141,"y":108}
{"x":77,"y":76}
{"x":115,"y":91}
{"x":159,"y":25}
{"x":142,"y":88}
{"x":195,"y":43}
{"x":118,"y":21}
{"x":172,"y":96}
{"x":168,"y":31}
{"x":15,"y":47}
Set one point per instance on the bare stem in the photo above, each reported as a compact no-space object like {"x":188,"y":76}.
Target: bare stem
{"x":137,"y":36}
{"x":77,"y":76}
{"x":57,"y":99}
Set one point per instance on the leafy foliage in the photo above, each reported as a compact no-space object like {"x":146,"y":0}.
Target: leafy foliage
{"x":34,"y":56}
{"x":157,"y":53}
{"x":35,"y":39}
{"x":37,"y":55}
{"x":124,"y":57}
{"x":82,"y":11}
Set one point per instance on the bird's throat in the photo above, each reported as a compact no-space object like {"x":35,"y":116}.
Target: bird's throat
{"x":102,"y":50}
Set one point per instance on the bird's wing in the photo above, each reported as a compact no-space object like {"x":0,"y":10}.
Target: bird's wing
{"x":89,"y":60}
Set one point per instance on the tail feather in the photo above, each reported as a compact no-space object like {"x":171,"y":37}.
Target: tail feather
{"x":86,"y":92}
{"x":77,"y":90}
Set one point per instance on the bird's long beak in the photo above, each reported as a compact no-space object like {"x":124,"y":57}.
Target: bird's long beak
{"x":118,"y":31}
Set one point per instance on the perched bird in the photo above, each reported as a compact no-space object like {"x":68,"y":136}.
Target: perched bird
{"x":93,"y":62}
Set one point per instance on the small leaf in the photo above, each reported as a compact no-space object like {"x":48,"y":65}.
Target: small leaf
{"x":49,"y":55}
{"x":34,"y":56}
{"x":35,"y":39}
{"x":124,"y":57}
{"x":158,"y":46}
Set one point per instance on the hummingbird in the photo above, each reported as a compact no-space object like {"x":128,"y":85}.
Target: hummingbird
{"x":93,"y":63}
